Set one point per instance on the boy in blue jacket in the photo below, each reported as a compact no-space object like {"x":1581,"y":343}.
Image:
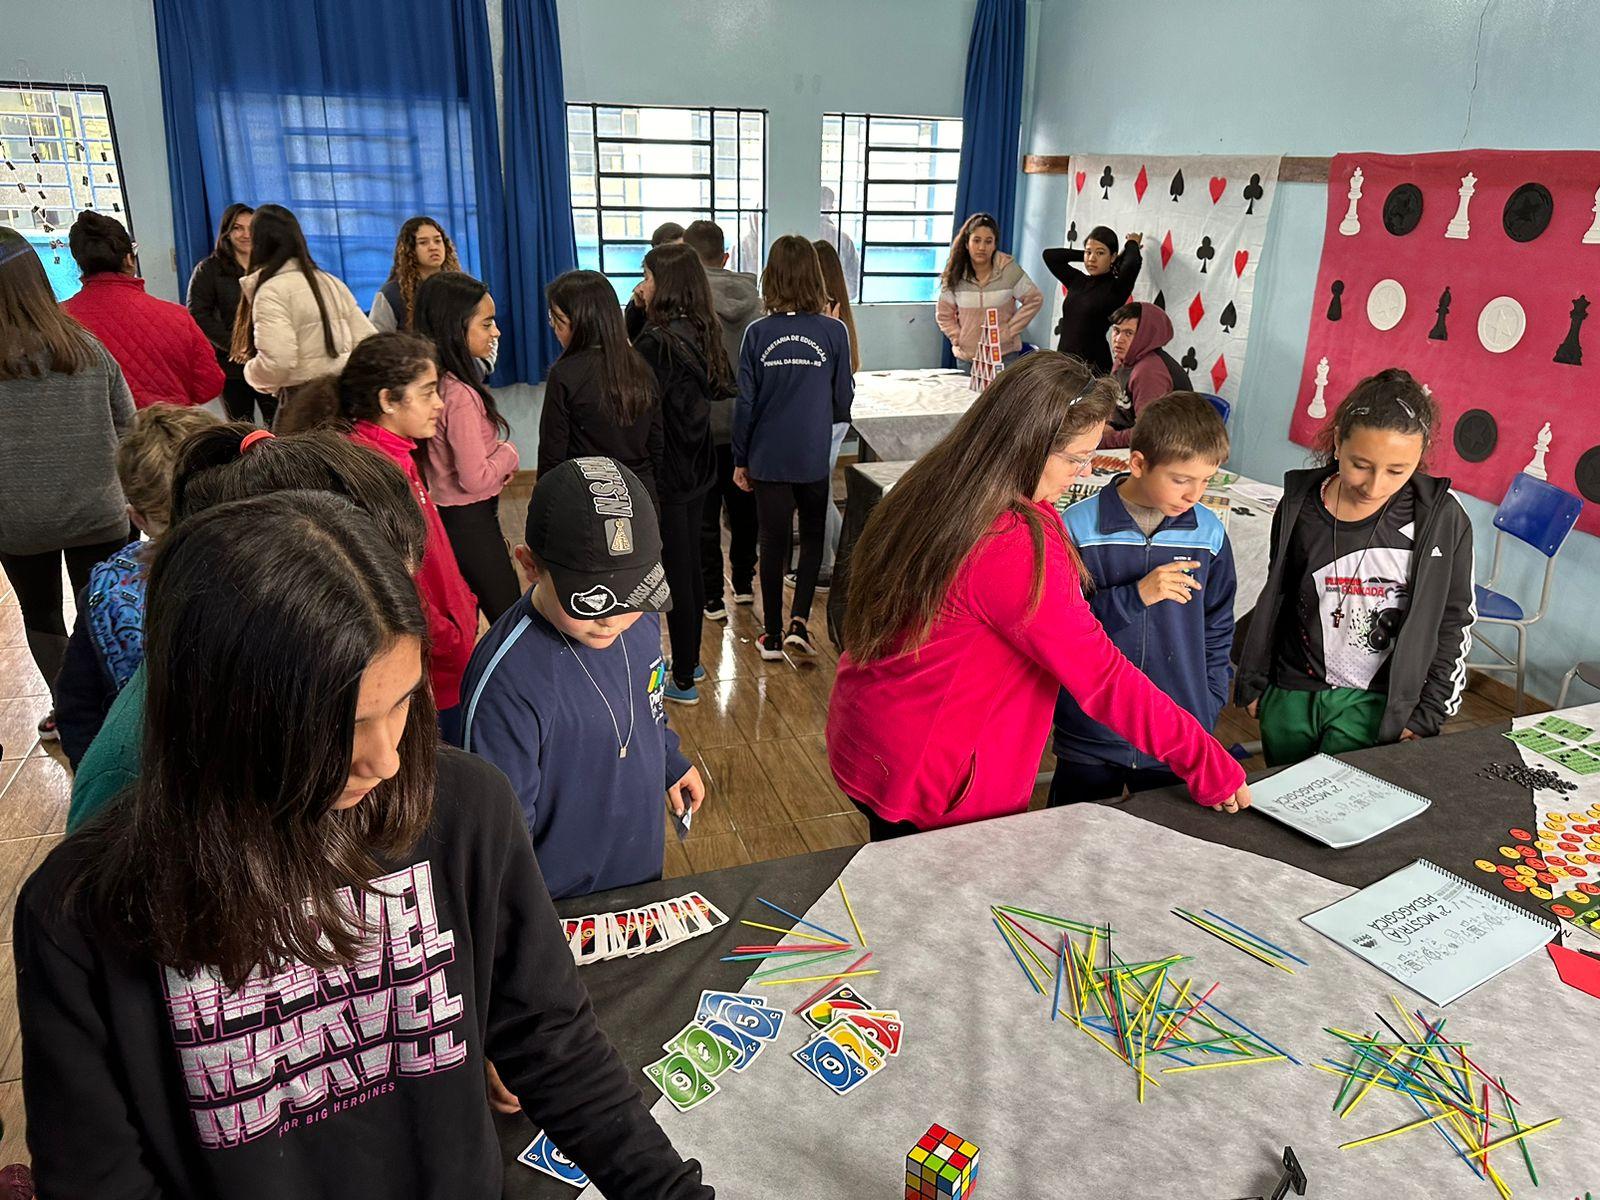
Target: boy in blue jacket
{"x":1163,"y":589}
{"x":564,"y":693}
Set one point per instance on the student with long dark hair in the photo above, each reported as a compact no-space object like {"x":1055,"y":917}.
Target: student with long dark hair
{"x":600,"y":398}
{"x":470,"y":458}
{"x":387,"y":399}
{"x":64,"y":405}
{"x":839,"y":297}
{"x":795,"y":385}
{"x":296,"y":323}
{"x":196,"y":1012}
{"x":967,"y":616}
{"x":978,"y":276}
{"x":1093,"y":293}
{"x":213,"y":301}
{"x":422,"y":249}
{"x":682,"y":342}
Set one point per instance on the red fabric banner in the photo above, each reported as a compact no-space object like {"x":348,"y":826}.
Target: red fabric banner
{"x":1474,"y":270}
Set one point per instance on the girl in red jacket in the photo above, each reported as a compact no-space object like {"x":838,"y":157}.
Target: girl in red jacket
{"x":387,"y":399}
{"x":967,"y":615}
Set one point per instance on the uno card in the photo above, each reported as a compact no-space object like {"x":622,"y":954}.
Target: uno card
{"x":868,"y":1053}
{"x":710,"y":1053}
{"x":680,"y":1081}
{"x":820,"y":1014}
{"x":832,"y":1064}
{"x":758,"y":1021}
{"x":711,"y":1003}
{"x":585,"y":946}
{"x":542,"y":1155}
{"x":710,"y":911}
{"x":883,"y":1028}
{"x":745,"y":1046}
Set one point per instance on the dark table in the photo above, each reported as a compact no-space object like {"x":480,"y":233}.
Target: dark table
{"x":641,"y":1002}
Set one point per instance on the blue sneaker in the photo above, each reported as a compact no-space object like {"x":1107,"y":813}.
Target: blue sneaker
{"x":685,"y":696}
{"x":699,"y":671}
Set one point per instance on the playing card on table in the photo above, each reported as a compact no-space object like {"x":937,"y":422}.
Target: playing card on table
{"x":680,"y":1081}
{"x":856,"y":1041}
{"x":542,"y":1155}
{"x":820,"y":1014}
{"x":832,"y":1063}
{"x":747,"y":1047}
{"x":709,"y":910}
{"x":883,"y":1026}
{"x":758,"y":1021}
{"x":711,"y":1003}
{"x":710,"y":1053}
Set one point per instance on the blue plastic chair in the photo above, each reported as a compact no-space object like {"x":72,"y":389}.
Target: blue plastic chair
{"x":1222,"y":406}
{"x":1542,"y":515}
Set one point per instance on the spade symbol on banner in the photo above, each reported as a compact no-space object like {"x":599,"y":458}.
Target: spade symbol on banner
{"x":1106,"y":180}
{"x":1161,"y":301}
{"x":1190,"y":361}
{"x":1229,"y":318}
{"x":1252,"y":193}
{"x":1177,"y":186}
{"x":1072,"y":234}
{"x":1205,"y":254}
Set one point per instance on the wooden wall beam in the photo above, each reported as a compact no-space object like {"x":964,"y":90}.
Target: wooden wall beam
{"x":1290,"y":169}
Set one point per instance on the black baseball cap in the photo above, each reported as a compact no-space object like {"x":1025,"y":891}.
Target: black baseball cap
{"x":593,"y":526}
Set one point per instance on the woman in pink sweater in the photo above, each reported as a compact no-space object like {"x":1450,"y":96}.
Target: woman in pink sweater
{"x":470,"y":459}
{"x":967,"y":615}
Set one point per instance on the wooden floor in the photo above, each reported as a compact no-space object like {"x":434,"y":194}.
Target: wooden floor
{"x":756,"y":736}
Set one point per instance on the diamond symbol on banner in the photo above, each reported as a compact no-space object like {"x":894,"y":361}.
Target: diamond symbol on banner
{"x":1219,"y":373}
{"x":1197,"y":310}
{"x":1166,"y":250}
{"x":1141,"y":183}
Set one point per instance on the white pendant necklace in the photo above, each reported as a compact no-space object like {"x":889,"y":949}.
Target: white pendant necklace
{"x":627,"y":666}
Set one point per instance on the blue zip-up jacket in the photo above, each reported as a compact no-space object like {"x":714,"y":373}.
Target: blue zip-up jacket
{"x":595,"y":817}
{"x":1183,"y":648}
{"x":794,"y":386}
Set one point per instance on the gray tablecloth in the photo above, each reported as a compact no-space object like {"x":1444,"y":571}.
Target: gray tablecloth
{"x":903,"y":414}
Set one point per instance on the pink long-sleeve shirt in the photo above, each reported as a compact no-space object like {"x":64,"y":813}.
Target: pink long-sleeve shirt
{"x":467,"y":462}
{"x":952,"y":731}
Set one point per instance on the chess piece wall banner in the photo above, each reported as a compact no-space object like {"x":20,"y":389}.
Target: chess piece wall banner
{"x":1541,"y":447}
{"x":1212,"y":211}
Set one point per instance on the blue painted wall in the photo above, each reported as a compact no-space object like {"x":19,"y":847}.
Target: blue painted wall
{"x":1225,"y":76}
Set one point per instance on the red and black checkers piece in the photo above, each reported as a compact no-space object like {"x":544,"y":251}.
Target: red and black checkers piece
{"x":941,"y":1166}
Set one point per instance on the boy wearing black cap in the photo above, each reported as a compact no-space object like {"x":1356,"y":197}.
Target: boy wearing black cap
{"x":564,"y":693}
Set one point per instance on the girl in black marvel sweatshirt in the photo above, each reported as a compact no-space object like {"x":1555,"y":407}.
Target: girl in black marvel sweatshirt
{"x":276,"y":964}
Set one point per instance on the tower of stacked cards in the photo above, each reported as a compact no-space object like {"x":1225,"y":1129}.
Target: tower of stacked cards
{"x":941,"y":1164}
{"x":986,"y":362}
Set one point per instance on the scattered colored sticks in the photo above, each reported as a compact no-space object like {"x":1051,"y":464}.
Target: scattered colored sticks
{"x":1222,"y":935}
{"x":813,"y":950}
{"x":814,"y":978}
{"x":801,"y":920}
{"x":861,"y":939}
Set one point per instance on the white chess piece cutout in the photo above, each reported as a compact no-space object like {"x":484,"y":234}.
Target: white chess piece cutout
{"x":1592,"y":238}
{"x":1460,"y":227}
{"x":1352,"y":221}
{"x":1319,"y":405}
{"x":1541,"y":447}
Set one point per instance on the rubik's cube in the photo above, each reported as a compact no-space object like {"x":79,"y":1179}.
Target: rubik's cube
{"x":941,"y":1165}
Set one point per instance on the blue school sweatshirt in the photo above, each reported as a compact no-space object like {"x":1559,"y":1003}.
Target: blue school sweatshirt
{"x":1183,"y":648}
{"x":595,"y":818}
{"x":794,"y":386}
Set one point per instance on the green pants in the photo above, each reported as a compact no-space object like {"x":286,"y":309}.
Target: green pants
{"x":1296,"y":725}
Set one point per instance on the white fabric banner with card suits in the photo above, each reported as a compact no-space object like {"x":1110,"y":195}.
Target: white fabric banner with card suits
{"x":1204,"y":219}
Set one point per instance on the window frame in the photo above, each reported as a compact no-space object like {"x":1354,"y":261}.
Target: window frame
{"x":866,"y":213}
{"x":600,"y":208}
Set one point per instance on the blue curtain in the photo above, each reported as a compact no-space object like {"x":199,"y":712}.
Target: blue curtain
{"x":539,"y":195}
{"x":353,"y":122}
{"x":991,"y":118}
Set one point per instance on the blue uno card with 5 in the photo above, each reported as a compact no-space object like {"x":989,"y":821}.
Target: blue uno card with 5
{"x":831,"y":1063}
{"x":747,"y":1046}
{"x":712,"y":1002}
{"x":757,"y":1021}
{"x":542,"y":1155}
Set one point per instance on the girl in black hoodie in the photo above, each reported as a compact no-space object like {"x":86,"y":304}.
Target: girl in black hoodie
{"x":1094,"y":293}
{"x":1361,"y":633}
{"x":682,"y":342}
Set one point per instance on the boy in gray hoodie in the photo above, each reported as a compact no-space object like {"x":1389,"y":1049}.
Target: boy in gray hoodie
{"x":737,"y":300}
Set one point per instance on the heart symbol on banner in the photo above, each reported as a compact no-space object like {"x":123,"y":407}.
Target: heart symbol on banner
{"x":1239,"y":260}
{"x":1218,"y":186}
{"x":1079,"y":179}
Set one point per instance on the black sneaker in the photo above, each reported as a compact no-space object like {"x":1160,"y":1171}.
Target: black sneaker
{"x":824,"y":585}
{"x":771,"y":647}
{"x":745,"y":597}
{"x":798,"y":638}
{"x":716,"y":610}
{"x":47,"y":728}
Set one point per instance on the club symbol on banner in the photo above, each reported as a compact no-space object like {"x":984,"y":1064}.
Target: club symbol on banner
{"x":1318,"y":408}
{"x":1205,"y":254}
{"x":1252,"y":193}
{"x":1439,"y":333}
{"x":1191,"y":361}
{"x":1501,"y":324}
{"x":1140,"y":184}
{"x":1176,"y":187}
{"x":1460,"y":226}
{"x":1386,"y":304}
{"x":1351,"y":225}
{"x":1335,"y":304}
{"x":1570,"y":352}
{"x":1106,"y":180}
{"x":1072,"y":234}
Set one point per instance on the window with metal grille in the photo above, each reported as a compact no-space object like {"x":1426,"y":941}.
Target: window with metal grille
{"x":888,"y":199}
{"x":58,"y":156}
{"x":634,"y":167}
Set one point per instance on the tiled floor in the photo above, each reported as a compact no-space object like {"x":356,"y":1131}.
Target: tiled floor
{"x":757,"y":737}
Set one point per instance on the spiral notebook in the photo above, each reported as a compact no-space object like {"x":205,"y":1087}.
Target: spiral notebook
{"x":1432,"y":931}
{"x":1335,"y":803}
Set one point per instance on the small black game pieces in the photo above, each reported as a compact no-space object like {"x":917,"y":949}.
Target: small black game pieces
{"x":1439,"y":333}
{"x":1570,"y":352}
{"x":1477,"y":434}
{"x":1533,"y":778}
{"x":1402,"y":210}
{"x":1335,"y":301}
{"x":1527,"y":212}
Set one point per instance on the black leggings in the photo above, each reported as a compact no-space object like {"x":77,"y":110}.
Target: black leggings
{"x":36,"y":579}
{"x":741,"y":508}
{"x":239,"y":400}
{"x":680,"y":555}
{"x":775,"y":507}
{"x":880,"y":830}
{"x":474,"y":531}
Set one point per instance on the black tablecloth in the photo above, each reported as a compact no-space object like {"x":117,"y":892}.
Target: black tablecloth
{"x":862,"y":494}
{"x":643,"y":1001}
